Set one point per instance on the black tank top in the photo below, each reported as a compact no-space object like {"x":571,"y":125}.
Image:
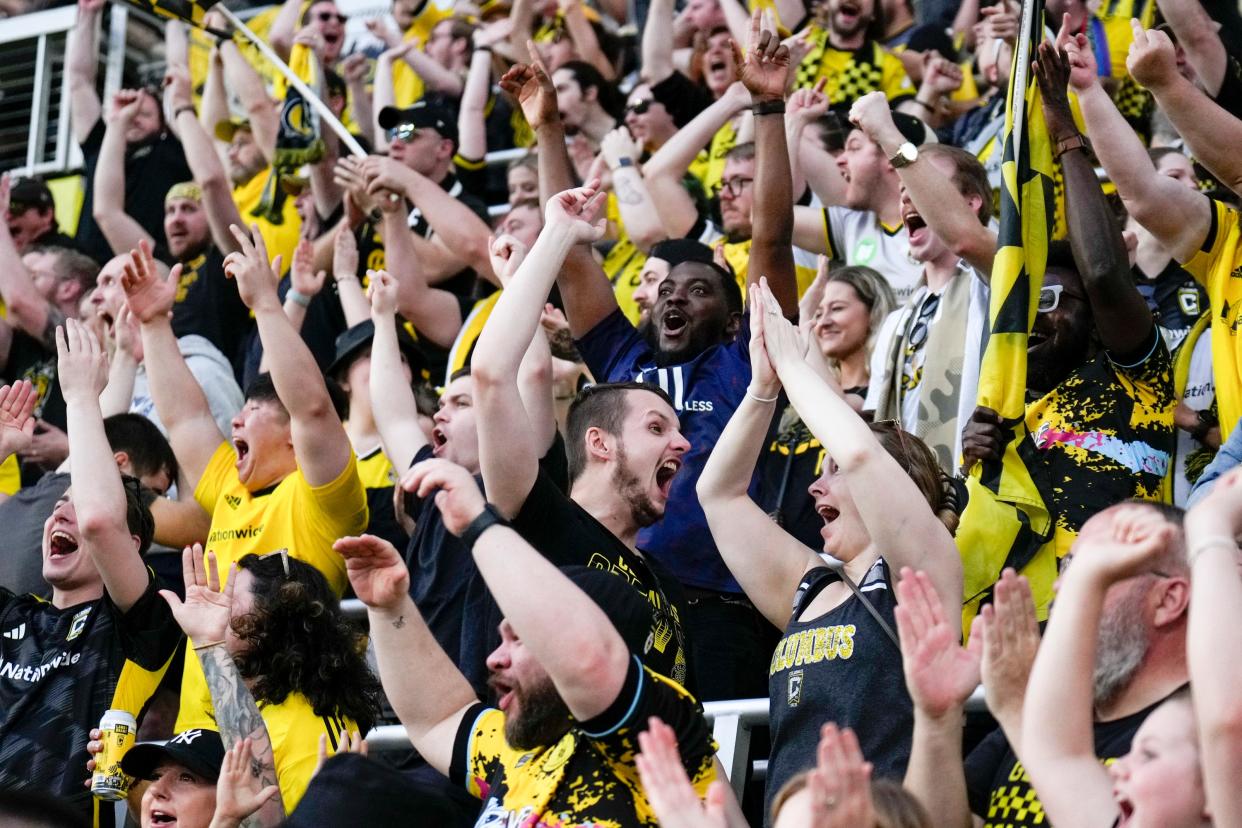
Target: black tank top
{"x":840,"y":667}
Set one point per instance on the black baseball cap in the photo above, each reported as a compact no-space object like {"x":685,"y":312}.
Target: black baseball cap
{"x":914,"y":130}
{"x":351,"y":789}
{"x":199,"y":749}
{"x":31,"y":192}
{"x":352,"y":341}
{"x":421,"y":115}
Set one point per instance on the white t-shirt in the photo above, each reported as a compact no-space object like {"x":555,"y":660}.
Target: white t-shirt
{"x":858,"y":237}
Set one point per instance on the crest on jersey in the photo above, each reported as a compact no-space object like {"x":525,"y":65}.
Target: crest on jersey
{"x":78,"y":624}
{"x":793,"y":695}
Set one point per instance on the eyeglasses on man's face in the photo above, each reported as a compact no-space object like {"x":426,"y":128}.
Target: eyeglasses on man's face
{"x":735,"y":186}
{"x":1050,"y":297}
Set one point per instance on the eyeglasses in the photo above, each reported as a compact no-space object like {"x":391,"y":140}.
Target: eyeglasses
{"x":328,"y":17}
{"x":735,"y":186}
{"x":284,"y":559}
{"x":1050,"y":297}
{"x":640,"y":107}
{"x":405,"y":133}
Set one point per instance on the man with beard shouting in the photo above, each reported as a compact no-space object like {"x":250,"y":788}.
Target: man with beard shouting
{"x":623,"y":442}
{"x":695,"y":348}
{"x":527,"y":759}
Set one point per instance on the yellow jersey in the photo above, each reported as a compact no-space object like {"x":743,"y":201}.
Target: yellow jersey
{"x":281,"y":239}
{"x":407,"y":85}
{"x":294,"y":730}
{"x":852,"y":74}
{"x":1218,"y":267}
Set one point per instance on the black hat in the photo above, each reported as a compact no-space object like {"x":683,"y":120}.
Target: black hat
{"x":421,"y":115}
{"x":349,"y":343}
{"x":625,"y":608}
{"x":31,"y":192}
{"x":199,"y":749}
{"x":932,"y":38}
{"x":676,"y":251}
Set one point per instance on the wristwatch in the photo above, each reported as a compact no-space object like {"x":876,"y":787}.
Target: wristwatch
{"x":906,"y":155}
{"x":1075,"y":141}
{"x":488,"y":518}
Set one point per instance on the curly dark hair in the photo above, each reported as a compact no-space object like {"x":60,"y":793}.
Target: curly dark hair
{"x":299,"y":642}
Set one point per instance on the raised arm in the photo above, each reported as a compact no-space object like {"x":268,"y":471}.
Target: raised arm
{"x":435,"y":313}
{"x":664,"y":170}
{"x":82,"y":64}
{"x":1211,"y":133}
{"x":585,"y":41}
{"x":204,"y":161}
{"x":1074,"y":786}
{"x":424,"y":687}
{"x":638,"y":210}
{"x":1197,"y":34}
{"x":320,"y":443}
{"x":454,"y":224}
{"x":1176,"y":215}
{"x":472,"y":114}
{"x":585,"y":289}
{"x":98,"y":494}
{"x":933,"y":193}
{"x":435,"y":76}
{"x":204,"y":616}
{"x":179,"y":399}
{"x":509,"y":455}
{"x":285,"y":27}
{"x":737,"y":523}
{"x":244,"y":82}
{"x":1214,"y":641}
{"x":383,"y":93}
{"x":764,"y":72}
{"x":1122,"y":318}
{"x":17,"y":421}
{"x":120,"y":230}
{"x":895,"y":512}
{"x":392,"y":400}
{"x":586,"y":660}
{"x":657,"y":42}
{"x":27,"y":310}
{"x":345,"y":273}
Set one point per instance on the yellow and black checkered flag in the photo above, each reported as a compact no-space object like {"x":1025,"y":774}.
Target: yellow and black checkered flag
{"x":189,"y":11}
{"x":1006,"y":522}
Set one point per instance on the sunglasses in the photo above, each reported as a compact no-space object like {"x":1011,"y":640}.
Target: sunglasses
{"x":1050,"y":297}
{"x":328,"y":17}
{"x":405,"y":133}
{"x":640,"y":107}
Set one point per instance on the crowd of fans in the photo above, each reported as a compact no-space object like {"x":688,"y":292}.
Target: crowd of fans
{"x":686,"y":418}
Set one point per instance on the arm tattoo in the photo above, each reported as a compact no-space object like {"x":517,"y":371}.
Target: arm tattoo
{"x":626,"y":192}
{"x":238,"y":717}
{"x":399,"y":623}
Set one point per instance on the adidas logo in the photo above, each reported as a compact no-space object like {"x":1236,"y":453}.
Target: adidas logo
{"x":17,"y":633}
{"x":233,"y":500}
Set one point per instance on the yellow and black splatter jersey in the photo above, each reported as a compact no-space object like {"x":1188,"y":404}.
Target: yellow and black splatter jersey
{"x":588,"y":778}
{"x":60,"y":669}
{"x":1103,"y":435}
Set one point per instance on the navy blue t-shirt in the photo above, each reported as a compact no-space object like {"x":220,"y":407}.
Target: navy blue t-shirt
{"x":705,"y":390}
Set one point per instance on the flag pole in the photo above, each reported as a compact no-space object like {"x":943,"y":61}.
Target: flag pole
{"x":311,"y":98}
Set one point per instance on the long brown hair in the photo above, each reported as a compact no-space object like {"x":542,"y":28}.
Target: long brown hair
{"x":913,"y":455}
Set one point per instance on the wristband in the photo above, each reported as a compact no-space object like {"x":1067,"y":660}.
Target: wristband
{"x":487,"y":49}
{"x":624,"y":162}
{"x":1218,"y":542}
{"x":1076,"y":141}
{"x":769,"y":108}
{"x":758,"y":398}
{"x":187,"y":108}
{"x":198,"y":647}
{"x":298,"y":297}
{"x":925,"y":105}
{"x":488,"y":518}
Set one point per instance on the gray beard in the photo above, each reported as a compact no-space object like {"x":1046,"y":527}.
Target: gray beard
{"x":1121,"y":646}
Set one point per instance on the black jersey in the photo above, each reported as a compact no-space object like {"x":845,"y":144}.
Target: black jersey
{"x":60,"y":669}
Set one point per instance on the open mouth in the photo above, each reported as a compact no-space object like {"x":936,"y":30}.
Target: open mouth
{"x":1035,"y":339}
{"x":503,"y":691}
{"x":61,"y":544}
{"x":438,"y":441}
{"x":849,"y":11}
{"x":914,"y":223}
{"x":828,"y":513}
{"x":1127,"y":811}
{"x":665,"y":474}
{"x":242,"y":448}
{"x":675,"y":322}
{"x":162,"y":818}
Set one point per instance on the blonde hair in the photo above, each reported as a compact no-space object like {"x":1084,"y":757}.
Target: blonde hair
{"x":894,"y":806}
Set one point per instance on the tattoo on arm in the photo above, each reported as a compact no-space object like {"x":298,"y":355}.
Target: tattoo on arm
{"x":238,"y":717}
{"x":399,"y":623}
{"x":626,"y":192}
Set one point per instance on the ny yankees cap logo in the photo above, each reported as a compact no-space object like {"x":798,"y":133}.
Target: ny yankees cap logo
{"x":185,"y":737}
